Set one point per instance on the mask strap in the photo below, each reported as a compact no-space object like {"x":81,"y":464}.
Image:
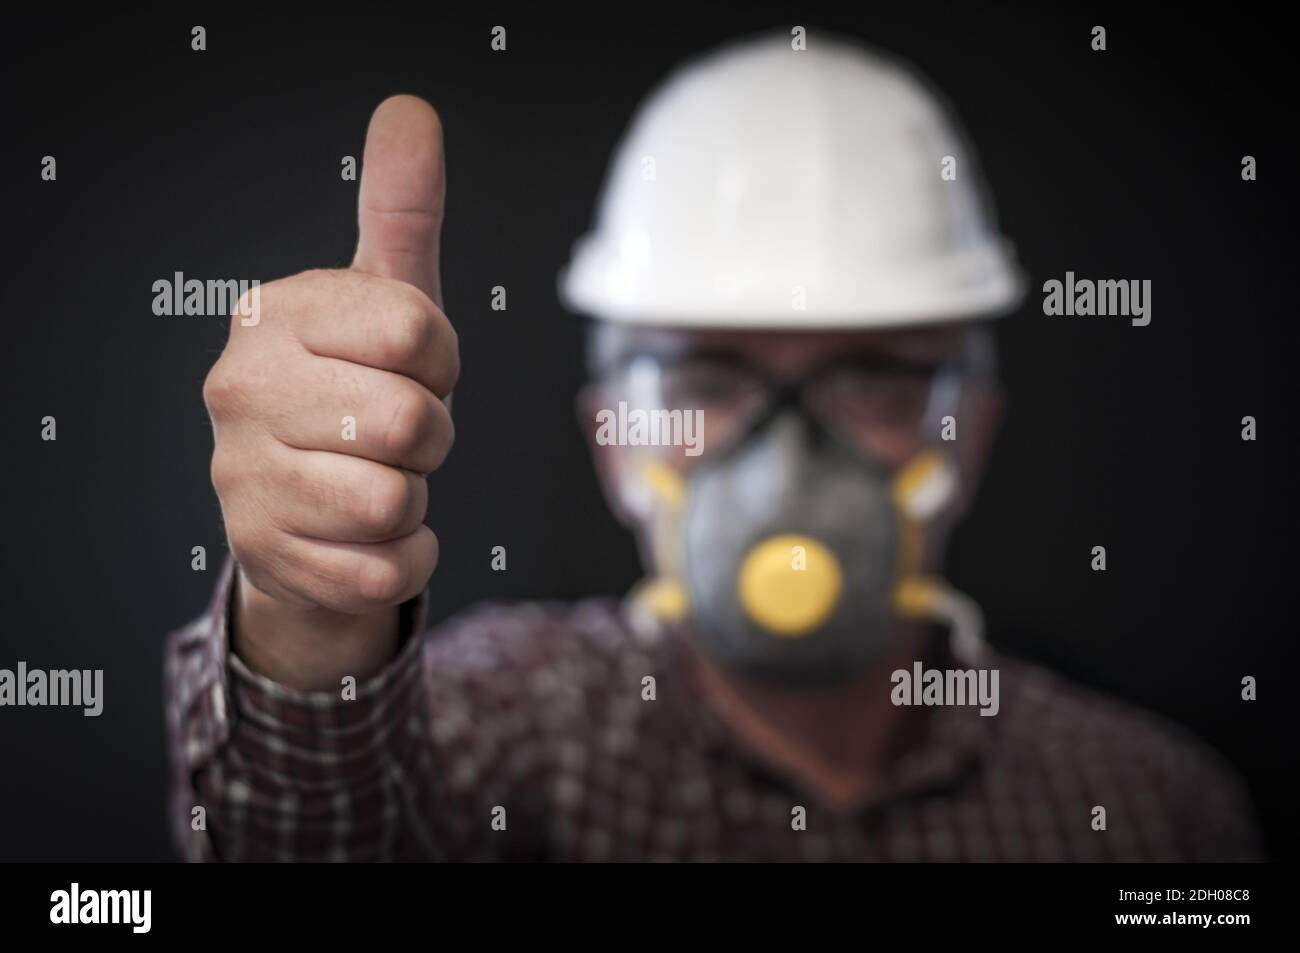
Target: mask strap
{"x":921,"y":491}
{"x":660,"y":599}
{"x":927,"y":598}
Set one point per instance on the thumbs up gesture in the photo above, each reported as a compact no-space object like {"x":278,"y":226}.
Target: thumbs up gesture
{"x":329,"y":410}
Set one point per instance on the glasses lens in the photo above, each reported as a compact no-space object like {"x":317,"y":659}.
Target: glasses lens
{"x":881,"y":410}
{"x":689,"y":408}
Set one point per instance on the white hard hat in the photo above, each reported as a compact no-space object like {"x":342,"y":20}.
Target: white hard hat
{"x":769,"y":187}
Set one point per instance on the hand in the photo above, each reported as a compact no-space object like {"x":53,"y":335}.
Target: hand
{"x":328,"y":407}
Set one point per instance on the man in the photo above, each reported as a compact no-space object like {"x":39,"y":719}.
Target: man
{"x":793,"y":394}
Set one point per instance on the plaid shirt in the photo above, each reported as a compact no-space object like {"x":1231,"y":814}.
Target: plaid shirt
{"x":521,"y":733}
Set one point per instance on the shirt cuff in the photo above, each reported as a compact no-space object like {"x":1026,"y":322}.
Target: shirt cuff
{"x":239,"y":737}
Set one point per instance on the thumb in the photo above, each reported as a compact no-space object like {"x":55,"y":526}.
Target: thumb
{"x":399,"y":212}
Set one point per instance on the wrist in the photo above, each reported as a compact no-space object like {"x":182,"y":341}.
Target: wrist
{"x":309,"y":649}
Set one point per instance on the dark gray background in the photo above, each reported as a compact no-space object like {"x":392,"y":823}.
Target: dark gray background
{"x":1123,"y":164}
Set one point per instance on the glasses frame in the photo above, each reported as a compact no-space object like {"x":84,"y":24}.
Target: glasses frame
{"x":947,"y":379}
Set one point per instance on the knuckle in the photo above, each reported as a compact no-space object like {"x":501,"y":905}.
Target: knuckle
{"x":255,"y":573}
{"x":219,"y":391}
{"x":222,"y":471}
{"x":409,"y":328}
{"x":407,"y":424}
{"x":446,"y":437}
{"x":237,"y":536}
{"x":250,"y":543}
{"x":237,"y":387}
{"x":254,"y":304}
{"x":382,"y":580}
{"x":387,"y":503}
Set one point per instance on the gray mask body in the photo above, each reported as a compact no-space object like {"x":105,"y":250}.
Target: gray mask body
{"x":790,"y":478}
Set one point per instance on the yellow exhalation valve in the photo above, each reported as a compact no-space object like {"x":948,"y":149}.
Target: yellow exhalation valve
{"x":790,"y":584}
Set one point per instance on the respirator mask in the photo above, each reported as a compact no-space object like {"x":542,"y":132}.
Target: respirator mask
{"x":786,"y":521}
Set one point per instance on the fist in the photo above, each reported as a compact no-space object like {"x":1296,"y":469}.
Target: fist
{"x":329,"y":405}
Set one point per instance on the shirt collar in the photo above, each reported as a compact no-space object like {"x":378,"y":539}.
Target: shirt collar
{"x":952,"y":741}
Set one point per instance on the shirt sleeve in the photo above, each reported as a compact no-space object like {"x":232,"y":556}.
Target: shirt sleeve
{"x":263,"y":772}
{"x":1217,"y":816}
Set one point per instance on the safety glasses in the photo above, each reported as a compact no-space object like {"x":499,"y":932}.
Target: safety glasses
{"x":881,"y":406}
